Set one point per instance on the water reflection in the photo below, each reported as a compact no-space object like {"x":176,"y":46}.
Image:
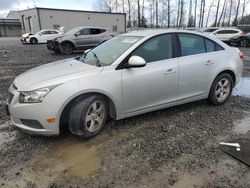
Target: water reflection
{"x":243,"y":88}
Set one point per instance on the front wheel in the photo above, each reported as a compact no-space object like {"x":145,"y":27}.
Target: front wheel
{"x":88,"y":116}
{"x":67,"y":48}
{"x":33,"y":41}
{"x":244,"y":43}
{"x":221,"y":89}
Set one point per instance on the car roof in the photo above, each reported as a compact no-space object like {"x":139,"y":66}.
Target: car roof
{"x":91,"y":27}
{"x":47,"y":30}
{"x":229,"y":28}
{"x":152,"y":32}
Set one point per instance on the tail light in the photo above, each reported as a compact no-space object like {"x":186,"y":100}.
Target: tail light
{"x":241,"y":55}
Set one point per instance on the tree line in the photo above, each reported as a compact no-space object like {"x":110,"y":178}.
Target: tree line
{"x":178,"y":13}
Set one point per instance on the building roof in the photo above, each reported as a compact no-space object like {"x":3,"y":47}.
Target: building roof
{"x":9,"y":21}
{"x":69,"y":10}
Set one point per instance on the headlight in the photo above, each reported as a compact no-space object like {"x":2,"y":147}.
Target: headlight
{"x":35,"y":96}
{"x":58,"y":38}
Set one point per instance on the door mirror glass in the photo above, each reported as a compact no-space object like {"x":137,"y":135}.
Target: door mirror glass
{"x":136,"y":61}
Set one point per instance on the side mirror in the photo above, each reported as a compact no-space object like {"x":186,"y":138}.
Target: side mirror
{"x":136,"y":61}
{"x":40,"y":34}
{"x":85,"y":52}
{"x":77,"y":33}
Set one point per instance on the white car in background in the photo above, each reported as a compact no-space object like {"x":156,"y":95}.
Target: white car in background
{"x":225,"y":34}
{"x":41,"y":36}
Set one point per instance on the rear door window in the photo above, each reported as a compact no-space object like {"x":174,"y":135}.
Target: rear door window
{"x":95,"y":31}
{"x":227,"y":32}
{"x":45,"y":32}
{"x":191,"y":44}
{"x":53,"y":32}
{"x":212,"y":46}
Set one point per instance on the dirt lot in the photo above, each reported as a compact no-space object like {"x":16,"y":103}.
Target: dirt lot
{"x":175,"y":147}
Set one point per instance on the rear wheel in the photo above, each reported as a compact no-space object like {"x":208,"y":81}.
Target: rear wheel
{"x":33,"y":41}
{"x":88,"y":116}
{"x":221,"y":89}
{"x":67,"y":48}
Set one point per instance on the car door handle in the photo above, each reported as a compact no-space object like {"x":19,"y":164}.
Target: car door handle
{"x":170,"y":71}
{"x":209,"y":62}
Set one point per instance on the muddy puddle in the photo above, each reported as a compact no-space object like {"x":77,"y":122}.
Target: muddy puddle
{"x":242,"y":126}
{"x":77,"y":160}
{"x":189,"y":181}
{"x":243,"y":88}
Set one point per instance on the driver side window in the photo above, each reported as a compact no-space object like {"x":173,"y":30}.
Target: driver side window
{"x":156,"y":49}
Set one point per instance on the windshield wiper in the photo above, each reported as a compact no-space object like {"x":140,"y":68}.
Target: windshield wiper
{"x":98,"y":64}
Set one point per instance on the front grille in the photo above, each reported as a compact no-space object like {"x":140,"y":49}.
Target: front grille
{"x":10,"y":97}
{"x":32,"y":123}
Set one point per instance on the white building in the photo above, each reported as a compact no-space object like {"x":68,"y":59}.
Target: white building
{"x":35,"y":19}
{"x":10,"y":27}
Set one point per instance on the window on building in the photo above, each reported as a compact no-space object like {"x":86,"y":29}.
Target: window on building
{"x":114,"y":28}
{"x":56,"y":26}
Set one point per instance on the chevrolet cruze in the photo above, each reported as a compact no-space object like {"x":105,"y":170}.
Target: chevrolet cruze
{"x":130,"y":74}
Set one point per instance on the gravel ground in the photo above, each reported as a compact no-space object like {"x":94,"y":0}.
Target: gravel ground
{"x":175,"y":147}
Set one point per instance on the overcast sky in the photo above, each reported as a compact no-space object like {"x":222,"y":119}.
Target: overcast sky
{"x":7,"y":5}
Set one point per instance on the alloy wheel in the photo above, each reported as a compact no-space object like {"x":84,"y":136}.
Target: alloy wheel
{"x":222,"y":89}
{"x":95,"y":116}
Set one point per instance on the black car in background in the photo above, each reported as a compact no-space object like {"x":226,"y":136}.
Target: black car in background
{"x":243,"y":41}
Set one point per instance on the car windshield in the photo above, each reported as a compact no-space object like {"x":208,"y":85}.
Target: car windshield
{"x":72,"y":31}
{"x":106,"y":53}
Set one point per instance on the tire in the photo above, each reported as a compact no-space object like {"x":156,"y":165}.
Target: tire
{"x":84,"y":120}
{"x":67,"y":48}
{"x":33,"y":41}
{"x":221,"y":89}
{"x":244,"y":43}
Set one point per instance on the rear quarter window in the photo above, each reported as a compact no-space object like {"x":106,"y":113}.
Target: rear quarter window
{"x":212,"y":46}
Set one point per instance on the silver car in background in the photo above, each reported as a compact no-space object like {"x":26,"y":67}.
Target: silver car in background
{"x":79,"y":38}
{"x":130,"y":74}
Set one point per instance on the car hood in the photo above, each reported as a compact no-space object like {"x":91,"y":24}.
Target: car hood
{"x":63,"y":37}
{"x":54,"y":73}
{"x":26,"y":35}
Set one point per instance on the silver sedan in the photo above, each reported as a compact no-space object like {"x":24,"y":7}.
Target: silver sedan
{"x":130,"y":74}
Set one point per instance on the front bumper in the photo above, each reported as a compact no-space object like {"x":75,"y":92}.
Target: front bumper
{"x":38,"y":113}
{"x":54,"y":46}
{"x":24,"y":40}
